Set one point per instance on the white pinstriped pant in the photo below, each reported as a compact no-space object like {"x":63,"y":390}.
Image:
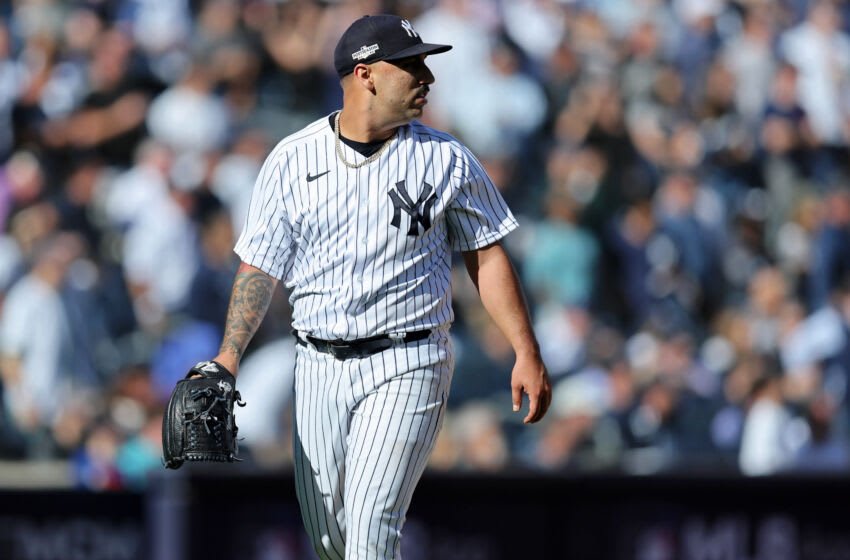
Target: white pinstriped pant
{"x":364,"y":429}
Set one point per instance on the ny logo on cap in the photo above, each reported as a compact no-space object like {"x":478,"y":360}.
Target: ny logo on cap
{"x":409,"y":28}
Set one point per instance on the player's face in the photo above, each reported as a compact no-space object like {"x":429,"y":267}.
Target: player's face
{"x":403,"y":86}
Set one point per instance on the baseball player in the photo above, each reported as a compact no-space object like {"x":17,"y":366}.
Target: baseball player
{"x":358,"y":214}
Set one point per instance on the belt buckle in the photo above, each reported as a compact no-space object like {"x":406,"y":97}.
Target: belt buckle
{"x":338,"y":352}
{"x":339,"y":349}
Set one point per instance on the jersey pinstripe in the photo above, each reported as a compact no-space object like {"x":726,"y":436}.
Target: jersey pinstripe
{"x":367,"y":251}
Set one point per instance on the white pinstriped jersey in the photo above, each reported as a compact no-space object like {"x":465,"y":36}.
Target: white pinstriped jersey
{"x":368,"y":251}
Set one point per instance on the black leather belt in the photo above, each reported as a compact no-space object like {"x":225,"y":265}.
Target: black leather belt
{"x":360,"y":348}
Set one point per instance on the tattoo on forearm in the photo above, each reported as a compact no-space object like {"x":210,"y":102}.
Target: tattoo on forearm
{"x":249,"y":301}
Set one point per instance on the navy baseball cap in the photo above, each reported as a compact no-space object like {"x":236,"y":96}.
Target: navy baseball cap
{"x":379,"y":37}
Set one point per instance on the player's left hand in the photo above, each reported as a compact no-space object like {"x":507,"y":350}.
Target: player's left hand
{"x":529,"y":376}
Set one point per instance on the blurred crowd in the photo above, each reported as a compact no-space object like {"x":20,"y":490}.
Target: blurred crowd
{"x":679,"y":168}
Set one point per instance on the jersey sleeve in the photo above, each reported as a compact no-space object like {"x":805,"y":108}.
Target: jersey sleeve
{"x":478,"y":215}
{"x":266,"y":241}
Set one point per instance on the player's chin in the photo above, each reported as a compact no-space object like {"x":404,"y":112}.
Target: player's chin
{"x":415,"y":112}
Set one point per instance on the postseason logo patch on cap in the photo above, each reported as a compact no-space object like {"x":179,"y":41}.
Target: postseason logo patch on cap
{"x":365,"y":52}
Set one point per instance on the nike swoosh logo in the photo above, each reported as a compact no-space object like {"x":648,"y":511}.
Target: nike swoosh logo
{"x":311,"y":178}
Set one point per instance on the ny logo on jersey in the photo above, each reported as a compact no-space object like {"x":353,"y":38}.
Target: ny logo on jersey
{"x":409,"y":28}
{"x":419,"y":211}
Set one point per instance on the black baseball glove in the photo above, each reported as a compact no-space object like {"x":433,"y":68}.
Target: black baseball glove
{"x":198,"y":424}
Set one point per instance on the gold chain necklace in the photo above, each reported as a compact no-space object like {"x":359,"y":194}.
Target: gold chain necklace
{"x":366,"y":161}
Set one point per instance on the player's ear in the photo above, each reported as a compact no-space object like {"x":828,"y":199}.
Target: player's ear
{"x":363,"y":75}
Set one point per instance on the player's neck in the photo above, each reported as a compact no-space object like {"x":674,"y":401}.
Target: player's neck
{"x":359,"y":127}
